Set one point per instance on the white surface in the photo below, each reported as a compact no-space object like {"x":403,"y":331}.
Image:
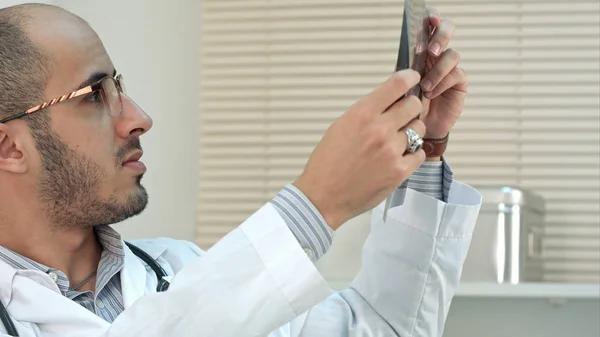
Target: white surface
{"x":532,"y":290}
{"x":155,"y":46}
{"x":522,"y":317}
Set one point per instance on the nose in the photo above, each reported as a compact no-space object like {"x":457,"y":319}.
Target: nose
{"x":133,"y":121}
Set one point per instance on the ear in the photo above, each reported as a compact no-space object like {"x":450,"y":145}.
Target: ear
{"x":12,"y":154}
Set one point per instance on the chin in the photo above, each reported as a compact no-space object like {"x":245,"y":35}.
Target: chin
{"x":138,"y":200}
{"x":131,"y":205}
{"x":93,"y":211}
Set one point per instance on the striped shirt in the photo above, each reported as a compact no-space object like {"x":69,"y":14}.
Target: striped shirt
{"x":300,"y":215}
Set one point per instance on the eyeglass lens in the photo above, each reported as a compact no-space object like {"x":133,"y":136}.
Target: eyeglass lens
{"x":112,"y":92}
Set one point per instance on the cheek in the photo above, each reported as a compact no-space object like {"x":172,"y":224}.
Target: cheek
{"x":97,"y":146}
{"x":82,"y":121}
{"x":94,"y":140}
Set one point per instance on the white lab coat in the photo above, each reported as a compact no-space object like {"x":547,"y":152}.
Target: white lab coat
{"x":258,"y":282}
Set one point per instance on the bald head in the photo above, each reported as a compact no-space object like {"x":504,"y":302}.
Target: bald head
{"x":33,"y":41}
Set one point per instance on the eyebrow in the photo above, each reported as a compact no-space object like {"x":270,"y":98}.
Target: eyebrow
{"x":95,"y":77}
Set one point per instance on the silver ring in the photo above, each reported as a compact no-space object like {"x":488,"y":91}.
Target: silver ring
{"x":415,"y":143}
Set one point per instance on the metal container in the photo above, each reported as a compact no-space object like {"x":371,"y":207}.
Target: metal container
{"x":506,"y":244}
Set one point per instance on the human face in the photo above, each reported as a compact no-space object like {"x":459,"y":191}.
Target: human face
{"x":88,"y":169}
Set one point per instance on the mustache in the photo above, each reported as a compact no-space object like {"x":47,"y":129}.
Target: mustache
{"x":131,"y":145}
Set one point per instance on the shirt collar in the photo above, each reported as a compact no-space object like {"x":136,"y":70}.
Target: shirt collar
{"x":19,"y":261}
{"x":110,"y":240}
{"x":107,"y":236}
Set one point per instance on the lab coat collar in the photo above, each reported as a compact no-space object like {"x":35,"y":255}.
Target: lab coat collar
{"x":151,"y":248}
{"x":10,"y":273}
{"x":22,"y":290}
{"x":135,"y":277}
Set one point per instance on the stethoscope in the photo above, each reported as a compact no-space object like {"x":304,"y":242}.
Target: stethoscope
{"x":163,"y":285}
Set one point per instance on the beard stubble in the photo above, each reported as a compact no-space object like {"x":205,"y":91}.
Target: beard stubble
{"x":70,"y":183}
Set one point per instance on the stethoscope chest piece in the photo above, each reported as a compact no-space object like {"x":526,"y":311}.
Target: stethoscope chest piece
{"x":163,"y":285}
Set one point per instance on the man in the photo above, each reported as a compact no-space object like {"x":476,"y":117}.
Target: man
{"x":70,"y":166}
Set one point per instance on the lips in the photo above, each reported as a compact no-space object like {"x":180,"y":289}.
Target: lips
{"x":133,"y":162}
{"x":133,"y":157}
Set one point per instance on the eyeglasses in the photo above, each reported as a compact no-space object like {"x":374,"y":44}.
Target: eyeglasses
{"x":109,"y":88}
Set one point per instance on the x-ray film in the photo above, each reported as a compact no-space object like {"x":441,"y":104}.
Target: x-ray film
{"x":412,"y":53}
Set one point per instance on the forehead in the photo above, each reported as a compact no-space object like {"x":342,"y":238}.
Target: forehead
{"x":75,"y":50}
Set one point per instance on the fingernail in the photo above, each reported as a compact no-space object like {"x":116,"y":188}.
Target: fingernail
{"x":426,"y":85}
{"x":435,"y":48}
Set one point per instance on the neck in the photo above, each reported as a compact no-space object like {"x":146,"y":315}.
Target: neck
{"x":74,"y":251}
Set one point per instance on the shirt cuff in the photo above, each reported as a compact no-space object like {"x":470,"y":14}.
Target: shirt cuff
{"x":447,"y":180}
{"x":433,"y":179}
{"x":304,"y":221}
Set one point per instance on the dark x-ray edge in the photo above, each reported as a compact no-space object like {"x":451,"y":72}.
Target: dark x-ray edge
{"x":404,"y":62}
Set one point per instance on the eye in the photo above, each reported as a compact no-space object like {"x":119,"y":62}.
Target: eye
{"x":94,"y":97}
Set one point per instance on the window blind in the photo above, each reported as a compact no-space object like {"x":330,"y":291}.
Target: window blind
{"x":276,"y":73}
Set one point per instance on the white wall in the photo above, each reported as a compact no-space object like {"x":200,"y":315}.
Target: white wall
{"x":7,"y":3}
{"x":155,"y":45}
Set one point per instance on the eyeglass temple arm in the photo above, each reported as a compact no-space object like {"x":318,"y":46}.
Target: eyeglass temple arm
{"x":10,"y":118}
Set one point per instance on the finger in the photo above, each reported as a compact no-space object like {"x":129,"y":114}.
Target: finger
{"x":410,"y":161}
{"x":434,"y":18}
{"x":457,"y":79}
{"x":388,"y":92}
{"x":416,"y":125}
{"x":428,"y":24}
{"x":441,"y":37}
{"x":413,"y":160}
{"x":402,"y":113}
{"x":446,"y":63}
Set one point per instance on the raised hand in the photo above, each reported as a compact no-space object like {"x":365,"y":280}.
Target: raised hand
{"x":363,"y":155}
{"x":444,"y":83}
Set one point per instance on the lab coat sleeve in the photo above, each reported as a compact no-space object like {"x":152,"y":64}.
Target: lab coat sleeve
{"x":252,"y":281}
{"x":410,"y":271}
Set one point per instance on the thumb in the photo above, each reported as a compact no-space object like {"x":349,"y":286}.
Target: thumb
{"x":388,"y":92}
